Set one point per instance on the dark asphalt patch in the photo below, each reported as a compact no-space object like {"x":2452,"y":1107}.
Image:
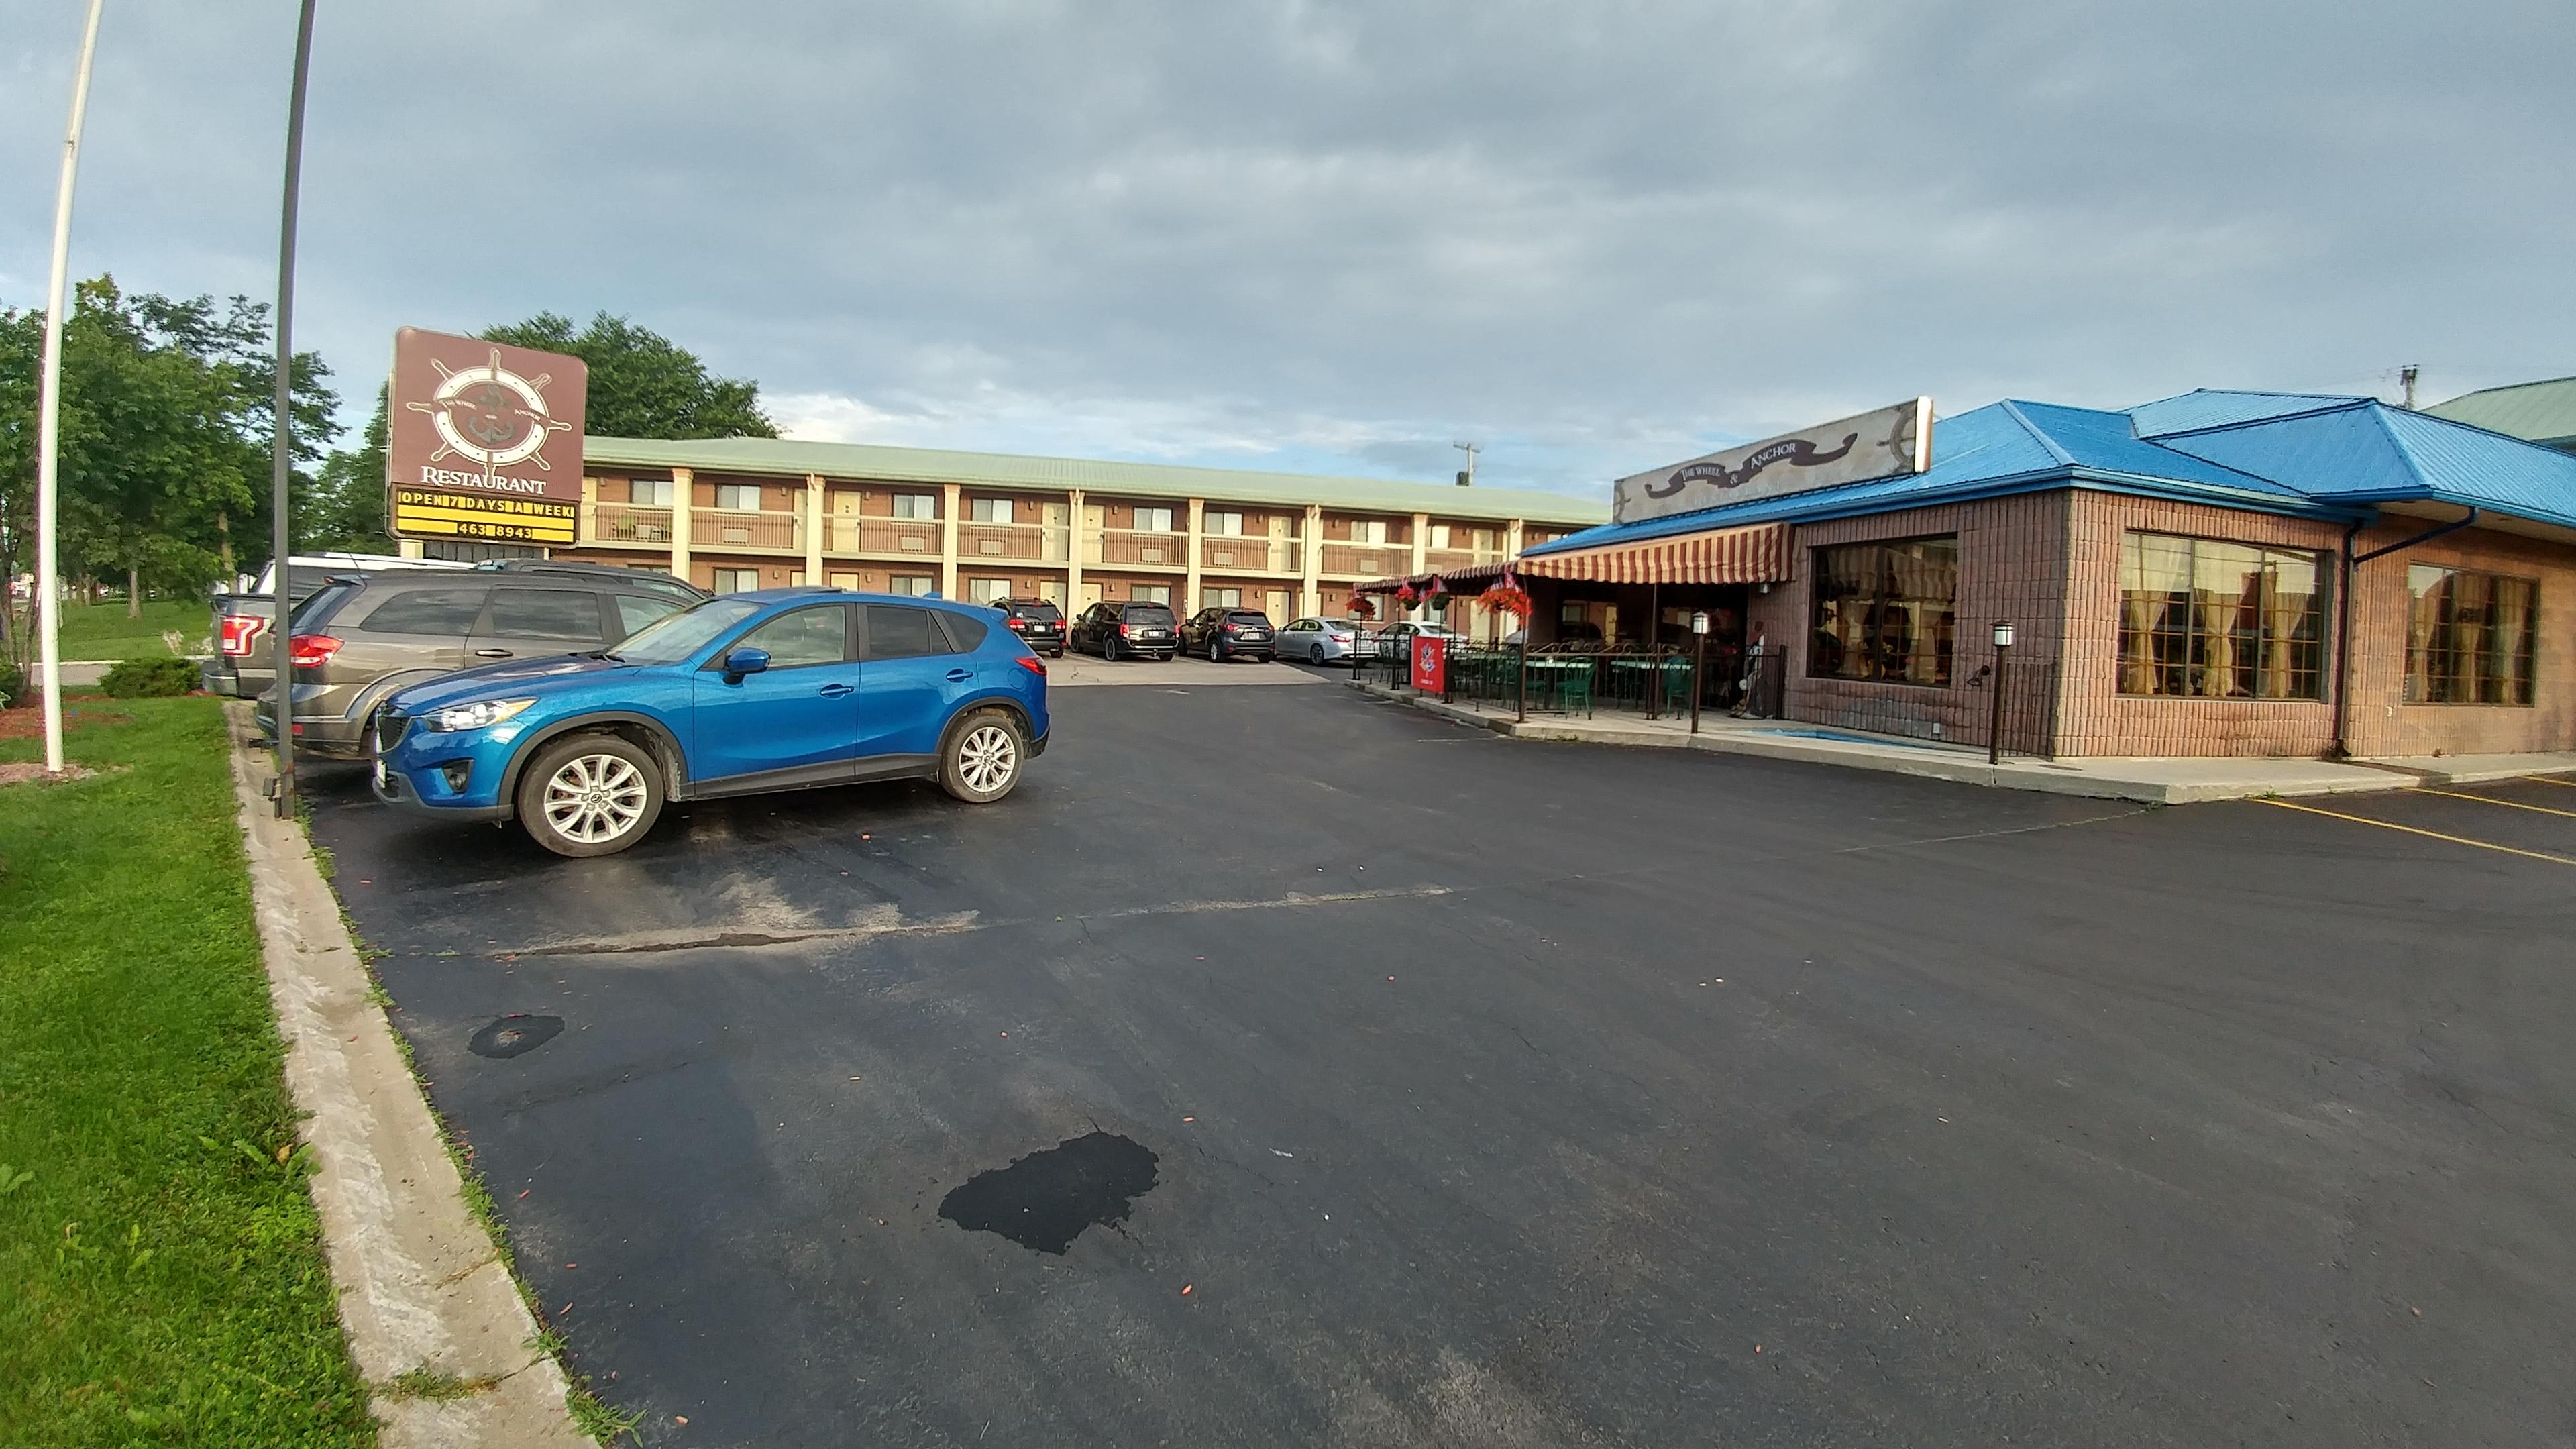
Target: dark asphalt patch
{"x":1044,"y":1201}
{"x":512,"y":1035}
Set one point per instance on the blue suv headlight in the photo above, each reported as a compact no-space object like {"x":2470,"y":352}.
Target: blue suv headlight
{"x":481,"y":714}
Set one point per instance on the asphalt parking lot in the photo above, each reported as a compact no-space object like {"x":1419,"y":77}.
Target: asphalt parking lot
{"x":1404,"y":1085}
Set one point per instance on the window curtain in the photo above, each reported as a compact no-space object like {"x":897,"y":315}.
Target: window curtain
{"x":2281,"y":613}
{"x":2507,"y":681}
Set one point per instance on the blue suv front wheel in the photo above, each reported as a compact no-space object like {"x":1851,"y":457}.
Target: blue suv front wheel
{"x":590,"y":794}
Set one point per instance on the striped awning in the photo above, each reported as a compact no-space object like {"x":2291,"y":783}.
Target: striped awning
{"x":1754,"y":554}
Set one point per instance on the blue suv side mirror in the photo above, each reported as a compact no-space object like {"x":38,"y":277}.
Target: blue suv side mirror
{"x":744,"y":661}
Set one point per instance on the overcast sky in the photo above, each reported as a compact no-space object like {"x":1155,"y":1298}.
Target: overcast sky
{"x":1335,"y":237}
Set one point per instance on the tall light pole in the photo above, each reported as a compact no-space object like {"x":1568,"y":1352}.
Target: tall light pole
{"x":1468,"y":478}
{"x":49,"y":604}
{"x":282,"y":435}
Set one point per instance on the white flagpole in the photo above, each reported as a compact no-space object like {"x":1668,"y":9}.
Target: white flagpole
{"x":49,"y":604}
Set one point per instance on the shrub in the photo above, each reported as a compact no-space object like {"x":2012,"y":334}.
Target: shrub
{"x":150,"y":678}
{"x":13,"y":683}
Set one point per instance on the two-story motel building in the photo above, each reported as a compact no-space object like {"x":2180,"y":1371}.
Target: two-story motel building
{"x":765,"y":512}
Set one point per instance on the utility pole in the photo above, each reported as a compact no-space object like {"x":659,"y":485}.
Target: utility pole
{"x":2406,"y":379}
{"x":1468,"y":478}
{"x":49,"y":421}
{"x":282,"y":435}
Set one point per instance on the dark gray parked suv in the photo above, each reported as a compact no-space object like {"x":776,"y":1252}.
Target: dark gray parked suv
{"x":363,"y":636}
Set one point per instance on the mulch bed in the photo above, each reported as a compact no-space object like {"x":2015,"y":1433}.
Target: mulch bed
{"x":29,"y":723}
{"x":34,"y":774}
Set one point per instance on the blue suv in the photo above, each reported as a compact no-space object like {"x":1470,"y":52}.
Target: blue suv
{"x":776,"y":690}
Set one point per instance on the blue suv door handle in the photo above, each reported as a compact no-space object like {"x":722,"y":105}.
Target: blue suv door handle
{"x":835,"y":691}
{"x":960,"y":676}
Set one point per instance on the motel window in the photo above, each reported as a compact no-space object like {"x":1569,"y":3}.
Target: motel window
{"x":1154,"y":520}
{"x":650,"y":492}
{"x":916,"y":505}
{"x":986,"y":591}
{"x":991,"y":510}
{"x":1222,"y":525}
{"x":1150,"y":594}
{"x":917,"y":585}
{"x":736,"y":581}
{"x":2469,"y":636}
{"x":1368,"y":530}
{"x":1220,"y":598}
{"x":1886,"y":611}
{"x":742,"y":497}
{"x":2202,"y":619}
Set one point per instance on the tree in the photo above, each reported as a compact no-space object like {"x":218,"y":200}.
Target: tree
{"x":344,"y":508}
{"x":166,"y":416}
{"x":642,"y":384}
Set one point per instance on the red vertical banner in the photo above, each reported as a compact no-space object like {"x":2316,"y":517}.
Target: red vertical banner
{"x":1430,"y":663}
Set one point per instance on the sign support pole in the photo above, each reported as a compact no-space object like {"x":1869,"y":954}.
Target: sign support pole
{"x":282,"y":434}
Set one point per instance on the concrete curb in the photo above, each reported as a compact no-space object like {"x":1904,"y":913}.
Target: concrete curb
{"x":2045,"y":777}
{"x":421,"y":1284}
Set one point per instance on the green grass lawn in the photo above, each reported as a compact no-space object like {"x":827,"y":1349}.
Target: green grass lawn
{"x":101,"y":631}
{"x":153,"y":1288}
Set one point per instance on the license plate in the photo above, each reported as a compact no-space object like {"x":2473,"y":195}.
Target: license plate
{"x":1255,"y":637}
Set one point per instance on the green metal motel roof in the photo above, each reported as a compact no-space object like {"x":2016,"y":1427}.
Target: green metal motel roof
{"x":781,"y":457}
{"x":2536,"y":412}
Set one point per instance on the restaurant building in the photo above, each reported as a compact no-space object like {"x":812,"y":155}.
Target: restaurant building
{"x":742,"y":513}
{"x":2221,"y":573}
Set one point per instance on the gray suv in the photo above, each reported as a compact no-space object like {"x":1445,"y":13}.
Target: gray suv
{"x":363,"y":636}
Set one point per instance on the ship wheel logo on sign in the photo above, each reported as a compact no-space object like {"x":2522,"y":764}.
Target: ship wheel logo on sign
{"x":491,"y":415}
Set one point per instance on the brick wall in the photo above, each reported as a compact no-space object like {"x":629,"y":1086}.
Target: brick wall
{"x":2095,"y":719}
{"x":2012,"y":566}
{"x":2050,"y":563}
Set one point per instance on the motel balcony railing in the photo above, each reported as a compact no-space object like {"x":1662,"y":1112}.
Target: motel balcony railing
{"x":1367,"y":561}
{"x":1024,"y":541}
{"x":1137,"y":547}
{"x":1439,"y":559}
{"x":720,"y":528}
{"x":627,"y":523}
{"x":1244,"y":553}
{"x":899,"y":537}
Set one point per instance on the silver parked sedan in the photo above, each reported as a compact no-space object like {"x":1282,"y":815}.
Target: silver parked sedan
{"x":1322,"y":641}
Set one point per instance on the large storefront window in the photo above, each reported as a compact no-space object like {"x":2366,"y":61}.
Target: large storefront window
{"x":1886,"y":611}
{"x":2469,"y":636}
{"x":2208,"y":620}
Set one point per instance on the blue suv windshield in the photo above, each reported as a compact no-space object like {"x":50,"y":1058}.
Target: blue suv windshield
{"x":674,"y":637}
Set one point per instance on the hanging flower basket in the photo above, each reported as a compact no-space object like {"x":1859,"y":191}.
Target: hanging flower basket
{"x":1359,"y":608}
{"x":1407,"y":595}
{"x":1506,"y":597}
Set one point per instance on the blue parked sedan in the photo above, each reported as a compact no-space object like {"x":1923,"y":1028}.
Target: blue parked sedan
{"x":776,"y":690}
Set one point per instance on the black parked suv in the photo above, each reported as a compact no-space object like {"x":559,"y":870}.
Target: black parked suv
{"x":1223,"y":634}
{"x":363,"y":636}
{"x":1127,"y":631}
{"x":1039,"y":624}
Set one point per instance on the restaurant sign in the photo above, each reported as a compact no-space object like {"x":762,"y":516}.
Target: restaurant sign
{"x":472,"y":449}
{"x":1887,"y":443}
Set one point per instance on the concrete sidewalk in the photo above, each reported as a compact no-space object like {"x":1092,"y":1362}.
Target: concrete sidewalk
{"x":2155,"y":780}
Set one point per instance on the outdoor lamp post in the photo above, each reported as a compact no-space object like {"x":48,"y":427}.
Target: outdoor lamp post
{"x":1995,"y":720}
{"x":1699,"y":660}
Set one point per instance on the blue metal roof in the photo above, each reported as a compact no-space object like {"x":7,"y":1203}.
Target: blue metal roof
{"x":2294,"y":453}
{"x":2216,"y":408}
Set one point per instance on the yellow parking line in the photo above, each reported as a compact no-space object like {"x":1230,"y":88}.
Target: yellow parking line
{"x":2411,"y":830}
{"x":2544,"y":779}
{"x":2486,"y":800}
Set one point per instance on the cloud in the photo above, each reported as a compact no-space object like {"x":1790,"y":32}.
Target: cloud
{"x":1341,"y":236}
